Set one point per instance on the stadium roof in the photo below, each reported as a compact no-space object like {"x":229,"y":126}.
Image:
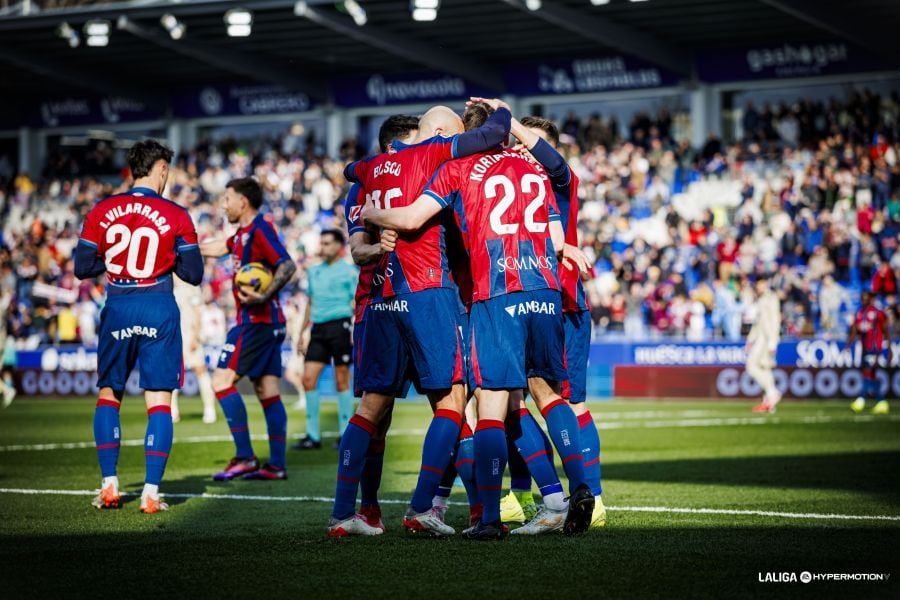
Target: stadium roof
{"x":306,"y":50}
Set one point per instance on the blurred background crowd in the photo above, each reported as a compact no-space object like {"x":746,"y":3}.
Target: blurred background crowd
{"x":808,"y":194}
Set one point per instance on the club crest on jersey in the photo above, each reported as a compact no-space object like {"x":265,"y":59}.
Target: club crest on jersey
{"x":126,"y":333}
{"x":431,"y":273}
{"x":524,"y":308}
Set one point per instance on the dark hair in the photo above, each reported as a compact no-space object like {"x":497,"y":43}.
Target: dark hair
{"x":249,"y":188}
{"x":545,"y":125}
{"x":337,"y":234}
{"x":476,"y":115}
{"x":144,"y":154}
{"x":395,"y":127}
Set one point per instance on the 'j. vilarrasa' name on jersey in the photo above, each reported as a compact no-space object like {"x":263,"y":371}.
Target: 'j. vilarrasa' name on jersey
{"x":136,"y":208}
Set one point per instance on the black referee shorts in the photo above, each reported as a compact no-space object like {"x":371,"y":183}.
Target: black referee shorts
{"x":331,"y":340}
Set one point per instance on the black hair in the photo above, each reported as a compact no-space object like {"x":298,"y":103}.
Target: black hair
{"x":476,"y":115}
{"x":545,"y":125}
{"x":337,"y":234}
{"x":146,"y":153}
{"x":395,"y":127}
{"x":249,"y":188}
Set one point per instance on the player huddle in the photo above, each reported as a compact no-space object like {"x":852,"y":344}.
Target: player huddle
{"x":470,"y":285}
{"x":470,"y":296}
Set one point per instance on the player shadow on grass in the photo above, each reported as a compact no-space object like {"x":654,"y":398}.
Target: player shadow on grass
{"x":866,"y":472}
{"x":192,"y":484}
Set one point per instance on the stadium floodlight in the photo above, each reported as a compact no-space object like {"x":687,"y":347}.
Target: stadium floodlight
{"x":424,"y":10}
{"x":638,"y":0}
{"x":239,"y":21}
{"x":239,"y":30}
{"x":533,"y":4}
{"x":175,"y":27}
{"x":97,"y":28}
{"x":66,"y":32}
{"x":239,"y":16}
{"x":357,"y":12}
{"x":599,"y":2}
{"x":424,"y":14}
{"x":98,"y":41}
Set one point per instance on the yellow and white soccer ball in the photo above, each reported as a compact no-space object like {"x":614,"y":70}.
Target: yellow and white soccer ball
{"x":253,"y":276}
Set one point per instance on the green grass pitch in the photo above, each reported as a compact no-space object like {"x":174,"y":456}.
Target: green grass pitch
{"x":817,"y":460}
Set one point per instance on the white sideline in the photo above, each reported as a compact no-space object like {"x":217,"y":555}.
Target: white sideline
{"x":649,"y":509}
{"x":601,"y":425}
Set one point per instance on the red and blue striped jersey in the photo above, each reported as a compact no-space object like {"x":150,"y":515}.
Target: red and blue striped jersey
{"x":139,"y":234}
{"x":353,"y":204}
{"x":257,"y":242}
{"x":574,"y":298}
{"x":503,"y":203}
{"x":396,"y":180}
{"x":870,"y":323}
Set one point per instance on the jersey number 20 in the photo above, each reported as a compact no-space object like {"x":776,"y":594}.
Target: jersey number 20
{"x":123,"y":239}
{"x":529,"y":181}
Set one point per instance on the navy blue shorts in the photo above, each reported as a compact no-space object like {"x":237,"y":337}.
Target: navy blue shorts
{"x":253,"y":349}
{"x":359,"y":331}
{"x":411,"y":337}
{"x":142,"y":329}
{"x":517,"y":336}
{"x":465,"y":333}
{"x":870,"y":358}
{"x":577,"y":327}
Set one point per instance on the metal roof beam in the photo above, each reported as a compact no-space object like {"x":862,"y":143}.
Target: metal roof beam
{"x":138,"y":9}
{"x":617,"y":35}
{"x":870,"y":35}
{"x":78,"y":78}
{"x":240,"y":63}
{"x":404,"y":47}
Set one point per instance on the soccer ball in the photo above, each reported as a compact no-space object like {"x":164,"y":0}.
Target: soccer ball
{"x":254,"y":276}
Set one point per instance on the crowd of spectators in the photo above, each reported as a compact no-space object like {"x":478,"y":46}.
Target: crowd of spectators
{"x":809,"y":196}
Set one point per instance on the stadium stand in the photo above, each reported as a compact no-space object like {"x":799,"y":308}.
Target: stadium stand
{"x":810,"y":194}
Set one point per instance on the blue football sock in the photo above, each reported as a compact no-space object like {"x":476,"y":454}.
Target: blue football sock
{"x":531,"y":448}
{"x":590,"y":449}
{"x":465,"y":464}
{"x":562,"y":425}
{"x":345,"y":409}
{"x":519,"y":477}
{"x":351,"y":461}
{"x":490,"y":463}
{"x":276,"y":424}
{"x":437,"y":449}
{"x":107,"y":435}
{"x":370,"y":480}
{"x":158,"y":442}
{"x":313,"y":406}
{"x":236,"y":414}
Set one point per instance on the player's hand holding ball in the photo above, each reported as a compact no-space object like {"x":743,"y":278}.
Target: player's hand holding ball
{"x":252,"y":281}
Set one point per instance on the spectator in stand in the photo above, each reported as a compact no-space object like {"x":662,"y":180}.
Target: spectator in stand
{"x":884,"y":282}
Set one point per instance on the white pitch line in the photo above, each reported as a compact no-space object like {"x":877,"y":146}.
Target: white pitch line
{"x":324,"y":499}
{"x":603,"y":426}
